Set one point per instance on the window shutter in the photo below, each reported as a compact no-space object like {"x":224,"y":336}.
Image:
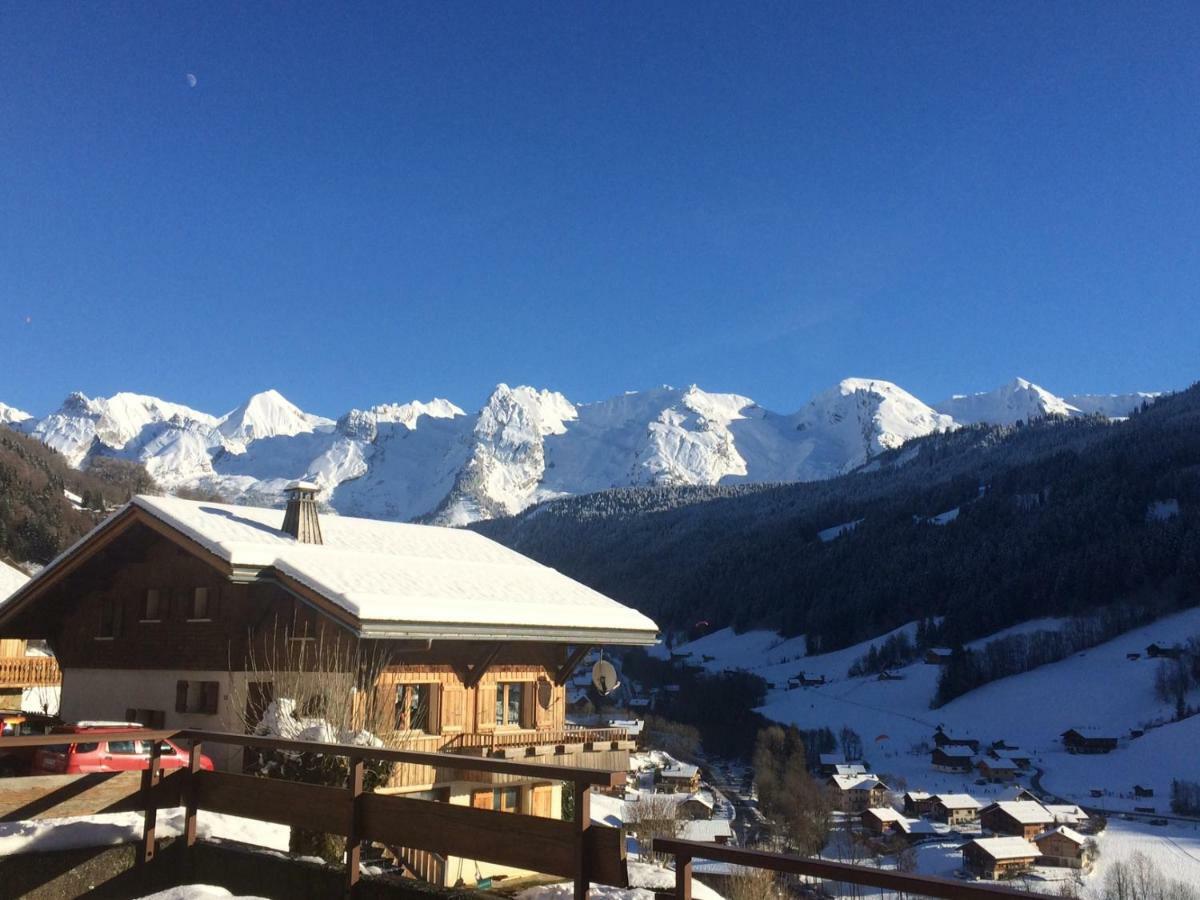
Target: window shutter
{"x":481,"y":799}
{"x":181,"y":692}
{"x":485,"y":695}
{"x":212,"y":697}
{"x":131,"y":715}
{"x":435,"y":709}
{"x":214,"y":603}
{"x":543,"y":693}
{"x":452,"y":707}
{"x":158,"y":718}
{"x":118,"y":608}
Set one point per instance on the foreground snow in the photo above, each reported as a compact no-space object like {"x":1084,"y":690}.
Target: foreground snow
{"x":644,"y":880}
{"x":197,"y":892}
{"x":110,"y":829}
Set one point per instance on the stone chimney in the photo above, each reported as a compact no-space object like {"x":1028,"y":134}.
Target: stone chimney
{"x":300,"y":518}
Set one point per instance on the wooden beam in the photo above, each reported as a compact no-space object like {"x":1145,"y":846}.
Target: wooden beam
{"x":192,"y":794}
{"x":150,"y":779}
{"x":354,"y":785}
{"x":572,"y":663}
{"x":583,"y":822}
{"x":488,"y":656}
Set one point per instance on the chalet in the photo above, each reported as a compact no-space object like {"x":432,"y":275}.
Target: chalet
{"x":698,"y":805}
{"x":1063,"y":846}
{"x":882,"y":820}
{"x":943,"y":740}
{"x":1018,"y":818}
{"x":1158,"y":651}
{"x":1002,"y":857}
{"x":194,"y":614}
{"x":680,"y":777}
{"x":1066,"y":813}
{"x":956,"y":809}
{"x":952,"y":759}
{"x":997,"y":769}
{"x":858,"y":792}
{"x":711,"y":831}
{"x":1013,"y":756}
{"x":1077,"y":742}
{"x":29,"y":678}
{"x":938,"y":656}
{"x":918,"y":803}
{"x":1017,"y":792}
{"x":803,"y":680}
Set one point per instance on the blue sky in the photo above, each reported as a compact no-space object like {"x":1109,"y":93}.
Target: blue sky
{"x":377,"y":203}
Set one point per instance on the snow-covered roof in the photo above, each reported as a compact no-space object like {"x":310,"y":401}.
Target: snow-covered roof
{"x":958,"y":801}
{"x":856,"y":782}
{"x":886,"y":814}
{"x":1069,"y":833}
{"x":11,"y":578}
{"x":917,"y":795}
{"x":680,"y":770}
{"x":850,"y":769}
{"x":402,"y":580}
{"x":1007,"y":847}
{"x":1066,"y":812}
{"x":1025,"y":811}
{"x":705,"y":829}
{"x":956,"y":752}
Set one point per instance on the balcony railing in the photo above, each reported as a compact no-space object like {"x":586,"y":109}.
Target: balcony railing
{"x":29,"y":671}
{"x":527,"y":741}
{"x":903,"y":883}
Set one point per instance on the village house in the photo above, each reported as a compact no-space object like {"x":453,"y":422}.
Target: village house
{"x":679,"y":777}
{"x":938,"y":656}
{"x":1066,"y":813}
{"x":881,"y":820}
{"x":850,"y":769}
{"x":1077,"y":742}
{"x":1158,"y":651}
{"x":698,"y":805}
{"x":943,"y":740}
{"x":1013,"y":755}
{"x":952,"y":759}
{"x":1063,"y":846}
{"x":858,"y":792}
{"x":918,"y":803}
{"x":956,"y":809}
{"x":1002,"y":857}
{"x":29,"y":678}
{"x":997,"y":769}
{"x":1019,"y":818}
{"x":710,"y":831}
{"x":179,"y":614}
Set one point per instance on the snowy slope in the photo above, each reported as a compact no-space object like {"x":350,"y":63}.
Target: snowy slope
{"x":1098,"y":690}
{"x":431,"y":459}
{"x":10,"y":415}
{"x":1114,"y":406}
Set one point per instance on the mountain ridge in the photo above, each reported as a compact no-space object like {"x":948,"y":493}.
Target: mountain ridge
{"x":433,"y":461}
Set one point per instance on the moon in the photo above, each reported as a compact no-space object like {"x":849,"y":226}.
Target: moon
{"x":191,"y":79}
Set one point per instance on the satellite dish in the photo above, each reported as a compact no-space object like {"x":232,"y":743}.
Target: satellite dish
{"x":604,"y":677}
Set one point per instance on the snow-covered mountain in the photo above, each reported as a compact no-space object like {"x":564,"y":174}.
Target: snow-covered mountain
{"x":434,"y":460}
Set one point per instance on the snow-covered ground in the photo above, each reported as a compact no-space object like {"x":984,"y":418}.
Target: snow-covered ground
{"x":198,"y":892}
{"x":109,"y":829}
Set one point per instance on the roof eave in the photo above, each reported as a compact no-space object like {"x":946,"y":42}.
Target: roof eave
{"x":498,"y":632}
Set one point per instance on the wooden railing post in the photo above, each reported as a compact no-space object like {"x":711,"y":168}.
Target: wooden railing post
{"x":683,"y":878}
{"x":583,"y":821}
{"x":193,"y":795}
{"x":151,"y":776}
{"x":354,"y":783}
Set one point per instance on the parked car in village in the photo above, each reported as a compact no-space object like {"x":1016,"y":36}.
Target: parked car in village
{"x":82,"y":756}
{"x":13,"y":723}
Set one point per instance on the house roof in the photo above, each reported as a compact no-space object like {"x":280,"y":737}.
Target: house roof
{"x":886,"y":814}
{"x":917,"y":795}
{"x":705,"y":829}
{"x":856,"y":782}
{"x":958,"y":801}
{"x":957,"y":752}
{"x":11,"y":578}
{"x":1007,"y":847}
{"x":1069,"y":833}
{"x":1025,"y":812}
{"x":850,"y":769}
{"x":680,"y":770}
{"x":1066,"y":812}
{"x":392,"y":579}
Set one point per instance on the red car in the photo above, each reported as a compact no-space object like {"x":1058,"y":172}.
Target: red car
{"x":106,"y":755}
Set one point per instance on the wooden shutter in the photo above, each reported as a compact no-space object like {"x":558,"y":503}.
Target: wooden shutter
{"x":541,"y":799}
{"x":435,"y":709}
{"x":485,"y":696}
{"x":181,"y":692}
{"x":543,"y":695}
{"x":481,"y":799}
{"x":131,"y":715}
{"x":212,"y":697}
{"x":158,"y":718}
{"x":118,"y":608}
{"x":452,"y":707}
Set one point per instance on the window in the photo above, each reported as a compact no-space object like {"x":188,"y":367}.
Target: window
{"x":199,"y":604}
{"x":510,"y":703}
{"x":197,"y":697}
{"x":414,"y":707}
{"x":109,"y":619}
{"x":152,"y":606}
{"x":507,"y":799}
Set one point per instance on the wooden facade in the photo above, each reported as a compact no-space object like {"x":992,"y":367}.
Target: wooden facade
{"x":978,"y":861}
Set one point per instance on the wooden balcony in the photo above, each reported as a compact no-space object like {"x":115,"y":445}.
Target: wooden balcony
{"x":29,"y":671}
